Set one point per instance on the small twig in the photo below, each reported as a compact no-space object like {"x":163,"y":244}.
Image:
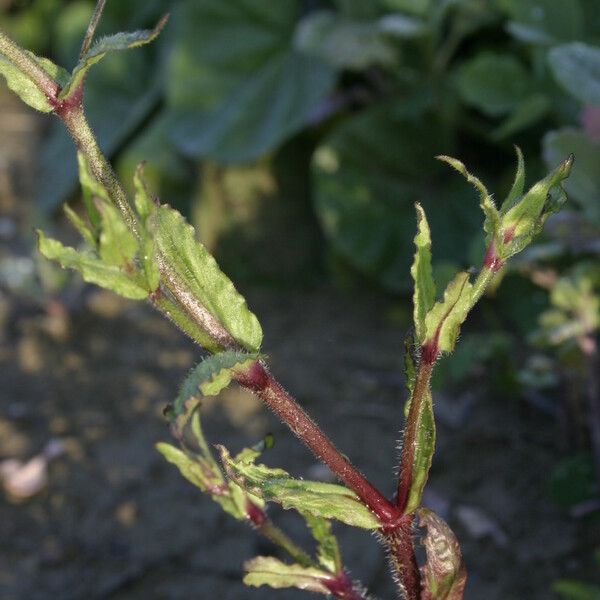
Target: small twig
{"x":89,"y":34}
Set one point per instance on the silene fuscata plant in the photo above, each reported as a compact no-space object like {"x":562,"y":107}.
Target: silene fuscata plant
{"x":145,"y":250}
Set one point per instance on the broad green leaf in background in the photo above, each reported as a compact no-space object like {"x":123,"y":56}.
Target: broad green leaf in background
{"x":527,"y":113}
{"x":267,"y":570}
{"x":543,"y":21}
{"x":443,"y":573}
{"x":199,"y":273}
{"x":417,"y":7}
{"x":443,"y":321}
{"x":237,"y":86}
{"x":423,"y":454}
{"x":494,"y":83}
{"x":424,"y":294}
{"x":92,"y":269}
{"x":324,"y":500}
{"x":583,"y":184}
{"x":344,"y":43}
{"x":367,"y":175}
{"x":576,"y":67}
{"x":21,"y":85}
{"x":211,"y":376}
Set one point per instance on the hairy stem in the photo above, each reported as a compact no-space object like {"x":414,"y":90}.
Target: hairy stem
{"x":29,"y":66}
{"x":72,"y":114}
{"x":89,"y":34}
{"x":261,"y":382}
{"x":420,"y":390}
{"x":402,"y":559}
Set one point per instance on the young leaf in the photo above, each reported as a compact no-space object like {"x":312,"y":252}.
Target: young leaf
{"x":83,"y":228}
{"x":524,"y":220}
{"x":144,"y":203}
{"x":424,"y":294}
{"x":21,"y":85}
{"x":328,"y":550}
{"x":410,"y":362}
{"x":91,"y":268}
{"x":199,"y":472}
{"x":443,"y":576}
{"x":91,"y":189}
{"x":443,"y":321}
{"x":211,"y":376}
{"x":117,"y":244}
{"x":492,"y":217}
{"x":516,"y":191}
{"x":266,"y":570}
{"x":198,"y":272}
{"x":423,"y":454}
{"x":111,"y":43}
{"x":325,"y":500}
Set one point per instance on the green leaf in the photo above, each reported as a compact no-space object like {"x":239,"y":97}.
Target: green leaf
{"x":583,"y":184}
{"x":423,"y":454}
{"x":117,"y":244}
{"x":494,"y":83}
{"x":237,"y":86}
{"x":443,"y":575}
{"x":443,"y":321}
{"x":576,"y":590}
{"x":527,"y":113}
{"x":576,"y":67}
{"x":111,"y":43}
{"x":91,"y":189}
{"x":144,"y":203}
{"x":324,"y":500}
{"x":516,"y":191}
{"x":91,"y":268}
{"x":410,"y":361}
{"x":543,"y":21}
{"x":199,"y":273}
{"x":424,"y":294}
{"x":328,"y":550}
{"x":344,"y":43}
{"x":524,"y":220}
{"x":492,"y":216}
{"x":266,"y":570}
{"x":21,"y":85}
{"x":367,"y":175}
{"x":208,"y":478}
{"x":83,"y":228}
{"x":212,"y":375}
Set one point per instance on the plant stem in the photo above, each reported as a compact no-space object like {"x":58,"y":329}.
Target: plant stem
{"x":89,"y":34}
{"x":27,"y":64}
{"x":420,"y":391}
{"x":72,"y":114}
{"x":260,"y":381}
{"x":401,"y":556}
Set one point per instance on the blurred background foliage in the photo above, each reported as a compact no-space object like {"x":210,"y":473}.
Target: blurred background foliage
{"x":297,"y":134}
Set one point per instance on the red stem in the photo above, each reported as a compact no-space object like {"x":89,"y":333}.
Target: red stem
{"x":401,"y":554}
{"x":260,"y":381}
{"x":408,"y":440}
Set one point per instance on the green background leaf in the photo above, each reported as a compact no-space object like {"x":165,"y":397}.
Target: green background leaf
{"x":237,"y":86}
